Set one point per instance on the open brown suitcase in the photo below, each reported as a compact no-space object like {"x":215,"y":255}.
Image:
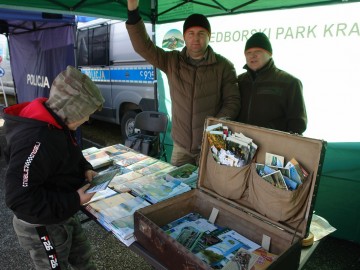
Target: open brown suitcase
{"x":246,"y":203}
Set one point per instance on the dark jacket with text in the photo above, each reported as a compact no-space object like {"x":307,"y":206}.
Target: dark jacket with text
{"x":45,"y":165}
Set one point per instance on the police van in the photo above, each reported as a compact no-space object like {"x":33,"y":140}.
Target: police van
{"x":6,"y":79}
{"x":104,"y":52}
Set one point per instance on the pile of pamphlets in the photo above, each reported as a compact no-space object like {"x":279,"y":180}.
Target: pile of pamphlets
{"x":127,"y":181}
{"x":287,"y":177}
{"x":220,"y":247}
{"x":230,"y":149}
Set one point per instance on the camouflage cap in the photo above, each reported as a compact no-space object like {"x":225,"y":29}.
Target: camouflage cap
{"x":74,"y":96}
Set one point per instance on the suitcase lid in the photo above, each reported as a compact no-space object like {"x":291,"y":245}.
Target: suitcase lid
{"x":242,"y":188}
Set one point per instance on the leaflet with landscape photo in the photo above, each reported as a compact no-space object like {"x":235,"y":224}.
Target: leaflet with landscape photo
{"x":142,"y":163}
{"x":291,"y":184}
{"x":124,"y":226}
{"x":101,"y":181}
{"x":187,"y":173}
{"x":208,"y":239}
{"x":120,"y":170}
{"x":189,"y":236}
{"x":98,"y":159}
{"x":263,"y":169}
{"x":102,"y":194}
{"x":126,"y":208}
{"x":155,"y":167}
{"x":130,"y":160}
{"x":121,"y":188}
{"x":156,"y":189}
{"x":250,"y":245}
{"x":253,"y":150}
{"x":239,"y":148}
{"x":124,"y":234}
{"x":213,"y":244}
{"x":176,"y":222}
{"x":276,"y":179}
{"x":213,"y":255}
{"x":274,"y":160}
{"x":297,"y":172}
{"x":243,"y":259}
{"x":116,"y":149}
{"x":236,"y":150}
{"x":163,"y":172}
{"x":103,"y":204}
{"x":121,"y":159}
{"x":227,"y":158}
{"x":216,"y":139}
{"x":168,"y":190}
{"x":294,"y":175}
{"x":201,"y":225}
{"x":253,"y":147}
{"x":123,"y":178}
{"x":284,"y":171}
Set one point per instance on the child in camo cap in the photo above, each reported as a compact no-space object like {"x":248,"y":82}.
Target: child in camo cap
{"x":74,"y":96}
{"x":47,"y":173}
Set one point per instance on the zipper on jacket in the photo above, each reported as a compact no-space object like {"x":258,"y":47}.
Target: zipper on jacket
{"x":71,"y":134}
{"x":253,"y":88}
{"x":192,"y":104}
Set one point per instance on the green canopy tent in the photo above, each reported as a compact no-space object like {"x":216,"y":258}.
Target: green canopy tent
{"x":160,"y":11}
{"x":339,"y":190}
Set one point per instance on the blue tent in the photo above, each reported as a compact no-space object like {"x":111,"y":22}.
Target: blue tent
{"x":41,"y":45}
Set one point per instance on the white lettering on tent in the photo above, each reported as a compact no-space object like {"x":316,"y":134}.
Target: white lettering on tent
{"x":37,"y":80}
{"x":237,"y":36}
{"x":296,"y":32}
{"x":290,"y":32}
{"x":341,"y":30}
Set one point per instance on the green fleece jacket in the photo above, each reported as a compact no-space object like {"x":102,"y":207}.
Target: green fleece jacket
{"x":272,"y":98}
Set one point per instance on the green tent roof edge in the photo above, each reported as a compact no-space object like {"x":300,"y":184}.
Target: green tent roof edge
{"x":162,"y":11}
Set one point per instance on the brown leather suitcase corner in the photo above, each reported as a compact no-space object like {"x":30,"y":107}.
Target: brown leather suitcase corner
{"x":246,"y":204}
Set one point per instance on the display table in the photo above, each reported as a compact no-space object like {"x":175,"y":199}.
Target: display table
{"x":137,"y":179}
{"x":306,"y":252}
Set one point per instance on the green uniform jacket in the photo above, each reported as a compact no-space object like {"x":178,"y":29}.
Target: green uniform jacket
{"x":274,"y":99}
{"x":209,"y":89}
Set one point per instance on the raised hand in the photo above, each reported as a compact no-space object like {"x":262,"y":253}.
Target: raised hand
{"x":133,"y":4}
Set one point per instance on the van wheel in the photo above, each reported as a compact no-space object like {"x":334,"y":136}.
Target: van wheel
{"x":127,"y":124}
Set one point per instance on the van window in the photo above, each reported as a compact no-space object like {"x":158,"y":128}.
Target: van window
{"x":93,"y":46}
{"x":83,"y":48}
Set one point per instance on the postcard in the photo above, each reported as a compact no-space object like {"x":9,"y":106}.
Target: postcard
{"x":274,"y":160}
{"x":276,"y":179}
{"x":263,"y":169}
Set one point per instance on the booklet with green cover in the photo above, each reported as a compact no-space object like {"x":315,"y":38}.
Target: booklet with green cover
{"x":101,"y":181}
